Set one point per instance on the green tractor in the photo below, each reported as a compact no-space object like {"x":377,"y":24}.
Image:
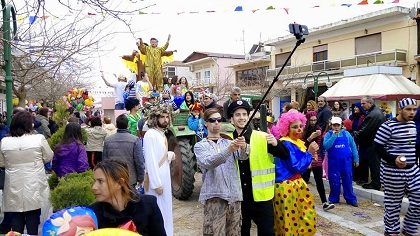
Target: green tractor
{"x":181,"y":140}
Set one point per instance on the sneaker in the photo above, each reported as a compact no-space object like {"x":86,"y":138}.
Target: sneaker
{"x":327,"y":206}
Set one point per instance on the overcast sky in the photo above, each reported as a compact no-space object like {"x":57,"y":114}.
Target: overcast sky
{"x":222,"y":31}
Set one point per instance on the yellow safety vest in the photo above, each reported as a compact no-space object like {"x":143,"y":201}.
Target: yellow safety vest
{"x":262,"y":168}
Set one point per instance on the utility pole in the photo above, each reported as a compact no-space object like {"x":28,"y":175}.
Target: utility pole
{"x":7,"y":10}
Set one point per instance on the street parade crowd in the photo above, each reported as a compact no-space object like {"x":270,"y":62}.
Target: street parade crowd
{"x":250,"y":175}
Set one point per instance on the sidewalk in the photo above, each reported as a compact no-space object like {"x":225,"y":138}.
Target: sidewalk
{"x":372,"y":195}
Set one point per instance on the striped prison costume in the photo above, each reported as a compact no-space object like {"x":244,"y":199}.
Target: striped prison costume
{"x":395,"y":139}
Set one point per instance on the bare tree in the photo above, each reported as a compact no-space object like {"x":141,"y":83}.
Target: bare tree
{"x":55,"y":54}
{"x":223,"y":84}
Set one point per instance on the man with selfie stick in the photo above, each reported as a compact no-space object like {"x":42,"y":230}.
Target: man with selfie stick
{"x":257,"y":173}
{"x":257,"y":180}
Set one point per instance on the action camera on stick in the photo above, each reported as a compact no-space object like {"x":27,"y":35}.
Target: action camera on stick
{"x":298,"y":30}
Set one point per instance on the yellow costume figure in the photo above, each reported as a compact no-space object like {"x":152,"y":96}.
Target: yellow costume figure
{"x":153,"y":61}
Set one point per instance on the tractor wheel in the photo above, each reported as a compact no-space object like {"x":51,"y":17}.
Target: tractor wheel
{"x":182,"y":168}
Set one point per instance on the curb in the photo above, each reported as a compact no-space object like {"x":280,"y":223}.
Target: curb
{"x":372,"y":195}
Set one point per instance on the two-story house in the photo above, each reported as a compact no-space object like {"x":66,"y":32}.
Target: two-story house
{"x":212,"y":71}
{"x":385,"y":37}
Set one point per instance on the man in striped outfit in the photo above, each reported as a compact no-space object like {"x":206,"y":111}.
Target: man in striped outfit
{"x":400,"y":174}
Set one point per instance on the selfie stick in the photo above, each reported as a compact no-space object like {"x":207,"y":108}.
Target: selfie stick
{"x":298,"y":43}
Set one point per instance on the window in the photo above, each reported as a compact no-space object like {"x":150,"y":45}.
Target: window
{"x":207,"y":74}
{"x":368,"y":44}
{"x":198,"y":75}
{"x":281,"y":59}
{"x":251,"y":77}
{"x":170,"y":71}
{"x":320,"y":53}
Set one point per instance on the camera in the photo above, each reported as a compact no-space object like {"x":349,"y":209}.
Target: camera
{"x":298,"y":30}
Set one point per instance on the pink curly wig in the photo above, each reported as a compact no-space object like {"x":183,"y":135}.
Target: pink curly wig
{"x":287,"y":118}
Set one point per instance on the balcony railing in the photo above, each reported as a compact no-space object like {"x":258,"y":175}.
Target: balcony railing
{"x":204,"y":82}
{"x":252,"y":84}
{"x":396,"y":57}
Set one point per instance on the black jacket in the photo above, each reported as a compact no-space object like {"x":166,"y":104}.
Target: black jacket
{"x":323,"y":116}
{"x":145,"y":214}
{"x":367,"y":131}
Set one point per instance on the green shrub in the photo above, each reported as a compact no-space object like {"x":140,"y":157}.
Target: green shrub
{"x":53,"y":181}
{"x":73,"y":189}
{"x":61,"y":115}
{"x":57,"y":136}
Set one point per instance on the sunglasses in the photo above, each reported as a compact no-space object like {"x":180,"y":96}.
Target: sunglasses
{"x":213,"y":120}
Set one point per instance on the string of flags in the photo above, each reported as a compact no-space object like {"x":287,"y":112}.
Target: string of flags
{"x":240,"y":8}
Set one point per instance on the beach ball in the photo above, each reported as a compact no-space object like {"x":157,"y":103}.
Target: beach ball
{"x":69,"y":221}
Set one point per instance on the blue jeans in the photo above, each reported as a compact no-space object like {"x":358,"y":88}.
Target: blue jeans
{"x":119,"y":106}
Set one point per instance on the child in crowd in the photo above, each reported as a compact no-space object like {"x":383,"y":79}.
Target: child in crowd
{"x":274,"y":130}
{"x":108,"y":126}
{"x":324,"y":153}
{"x":167,"y":83}
{"x":196,"y":121}
{"x":143,"y":86}
{"x":166,"y":98}
{"x":311,"y":133}
{"x":342,"y":155}
{"x":188,"y":101}
{"x":183,"y":83}
{"x":70,"y":154}
{"x":178,"y":98}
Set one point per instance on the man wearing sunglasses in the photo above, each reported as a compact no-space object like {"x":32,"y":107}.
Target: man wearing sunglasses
{"x":258,"y":188}
{"x":221,"y":190}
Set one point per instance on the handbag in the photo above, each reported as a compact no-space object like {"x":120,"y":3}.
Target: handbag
{"x":146,"y":180}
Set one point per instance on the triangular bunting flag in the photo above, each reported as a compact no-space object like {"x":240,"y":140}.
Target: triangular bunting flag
{"x":346,"y":5}
{"x":286,"y":10}
{"x":44,"y":17}
{"x":253,"y":11}
{"x":364,"y":2}
{"x":396,"y":1}
{"x":91,"y":14}
{"x":378,"y":2}
{"x":20,"y":19}
{"x":238,"y":8}
{"x":32,"y":19}
{"x":270,"y":8}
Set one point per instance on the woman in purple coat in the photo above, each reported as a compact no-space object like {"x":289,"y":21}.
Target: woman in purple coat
{"x":70,"y":154}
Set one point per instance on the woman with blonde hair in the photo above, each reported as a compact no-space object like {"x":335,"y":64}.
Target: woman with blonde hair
{"x":120,"y":205}
{"x":310,"y":106}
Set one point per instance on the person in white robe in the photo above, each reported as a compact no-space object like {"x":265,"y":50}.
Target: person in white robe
{"x":157,"y":159}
